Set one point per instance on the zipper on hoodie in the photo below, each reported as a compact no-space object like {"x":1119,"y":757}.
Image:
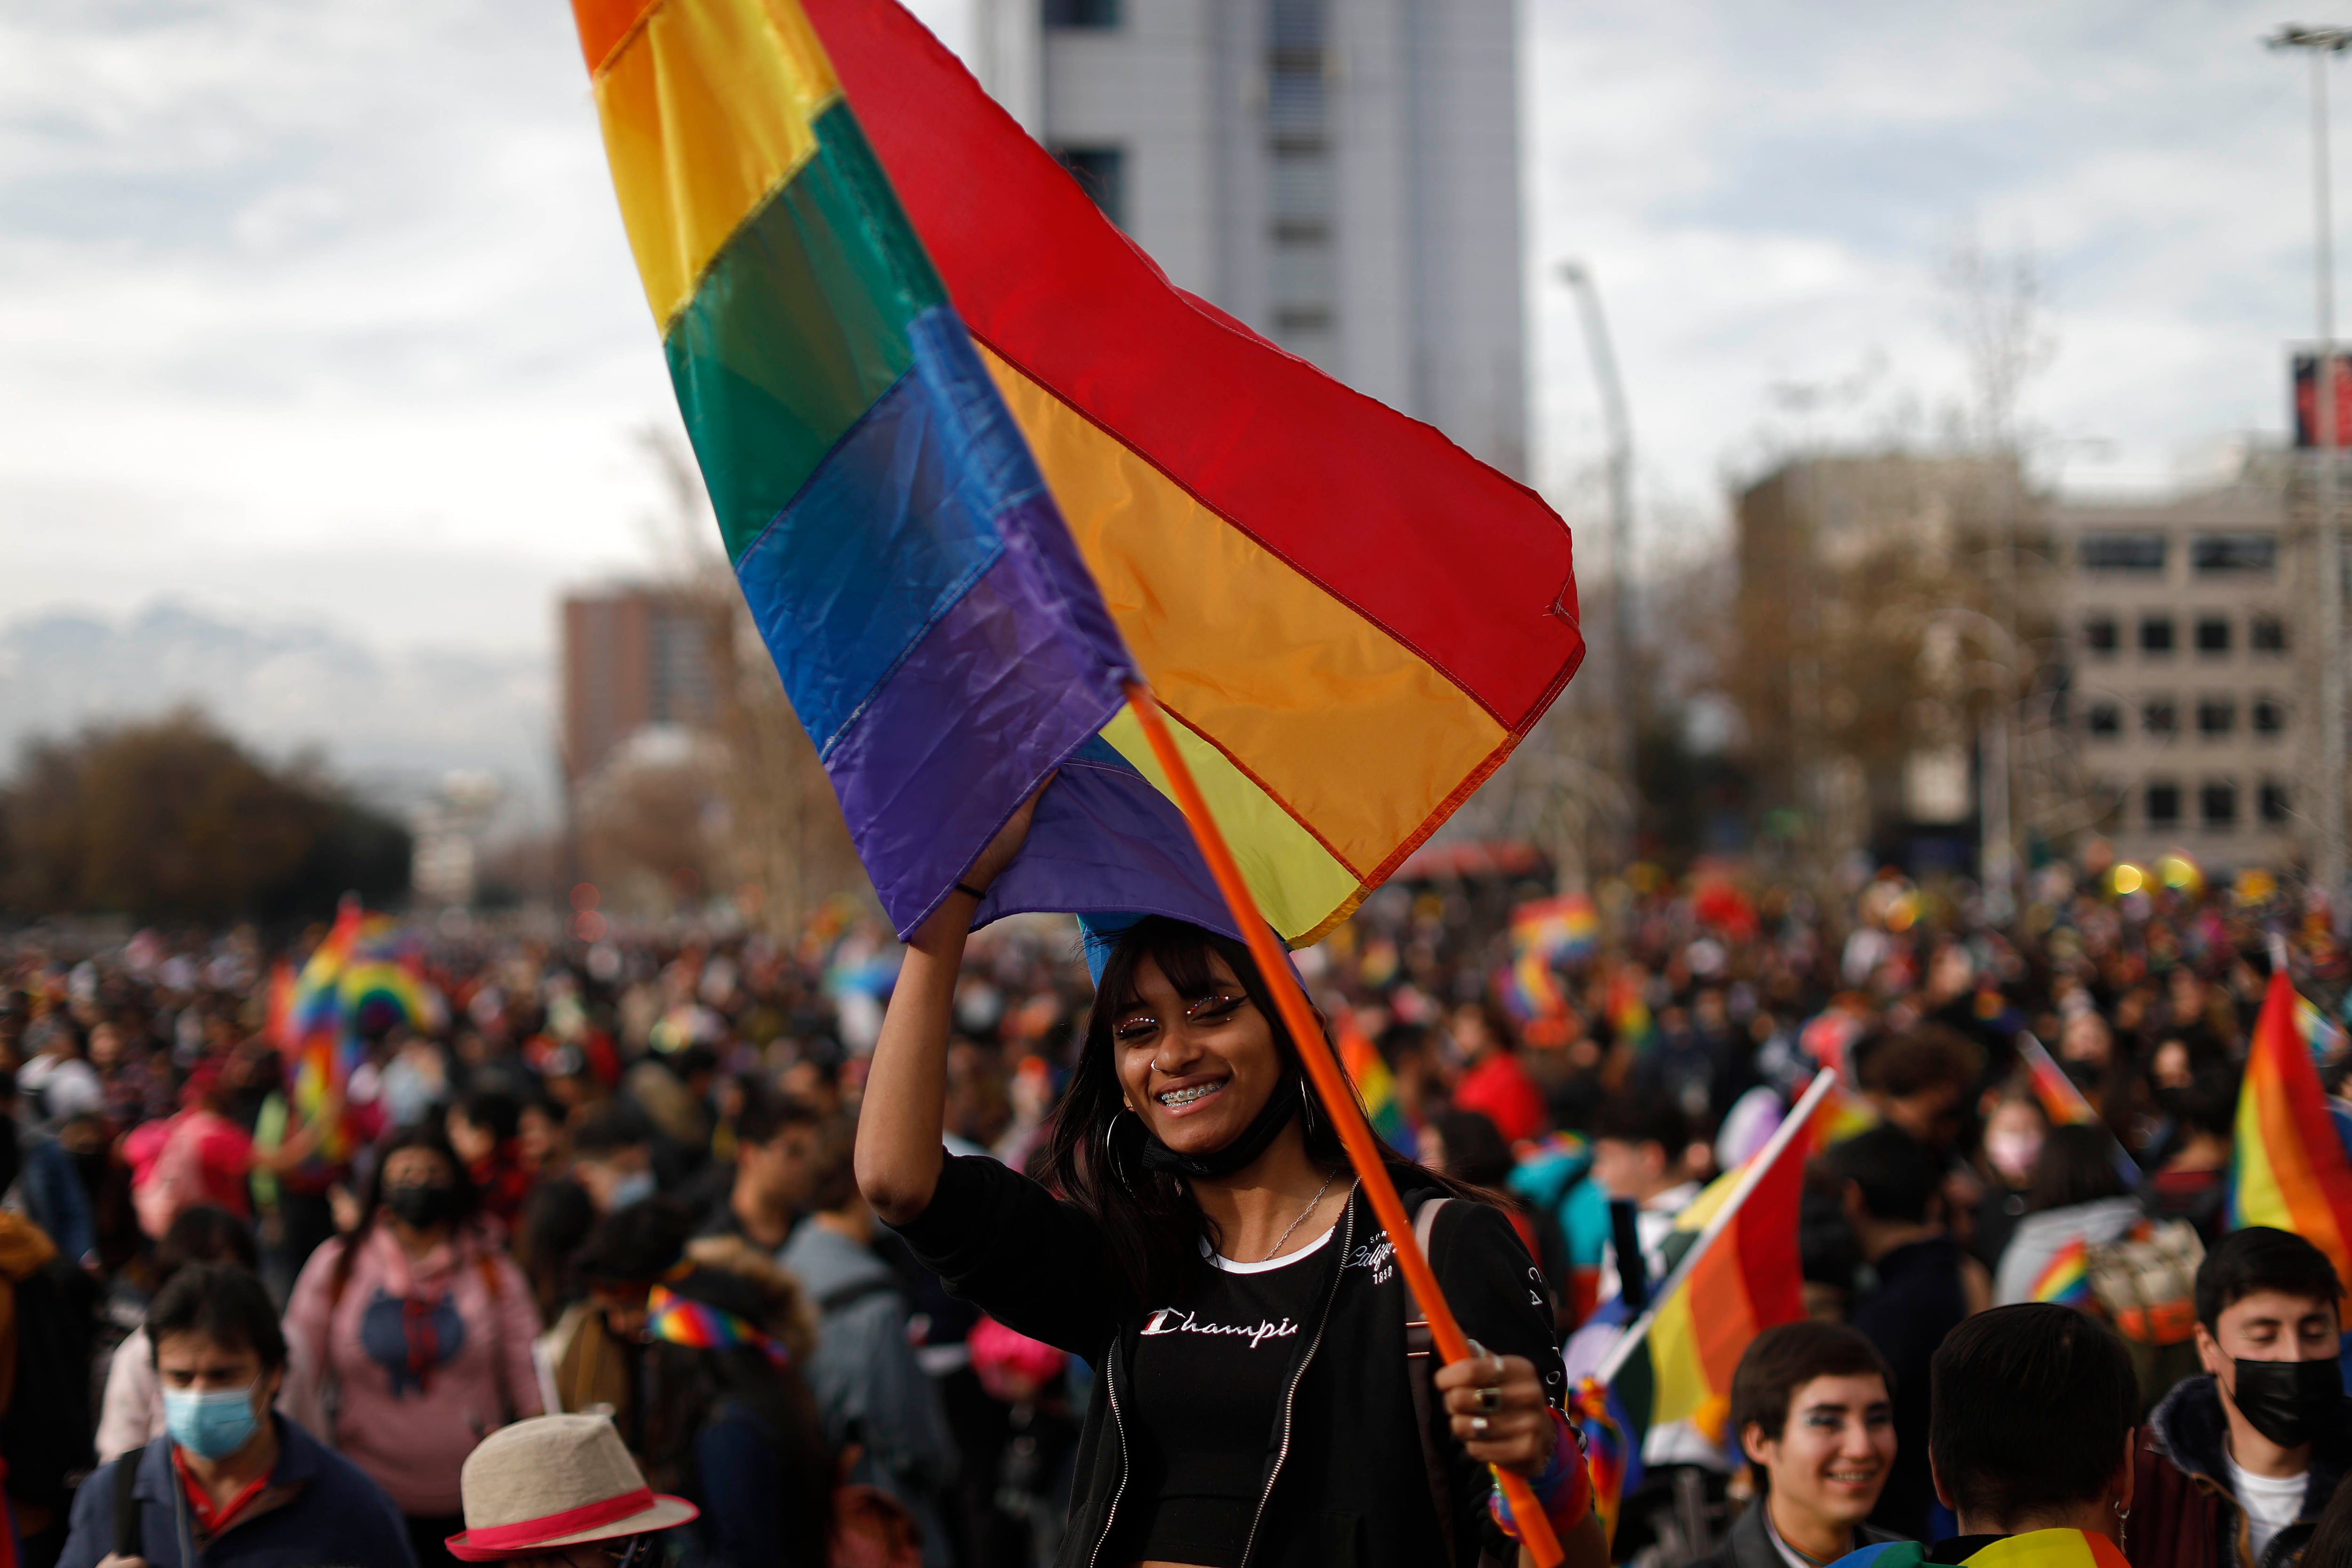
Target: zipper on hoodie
{"x":1290,"y":1395}
{"x":1119,"y":1425}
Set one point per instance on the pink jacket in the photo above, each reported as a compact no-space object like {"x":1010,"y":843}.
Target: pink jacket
{"x":422,"y":1359}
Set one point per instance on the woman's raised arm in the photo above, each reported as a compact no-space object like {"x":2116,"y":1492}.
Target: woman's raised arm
{"x":899,"y":1120}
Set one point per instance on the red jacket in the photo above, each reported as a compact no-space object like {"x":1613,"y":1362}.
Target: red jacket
{"x":2183,"y":1514}
{"x":1499,"y":1090}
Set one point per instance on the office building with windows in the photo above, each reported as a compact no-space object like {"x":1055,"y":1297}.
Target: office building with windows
{"x":2185,"y":659}
{"x":1340,"y":175}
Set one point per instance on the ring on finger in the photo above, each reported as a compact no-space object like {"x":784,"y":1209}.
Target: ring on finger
{"x":1488,"y":1399}
{"x":1480,"y":1426}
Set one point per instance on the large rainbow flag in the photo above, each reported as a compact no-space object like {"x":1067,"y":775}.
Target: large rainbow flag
{"x":2288,"y":1167}
{"x":976,"y":461}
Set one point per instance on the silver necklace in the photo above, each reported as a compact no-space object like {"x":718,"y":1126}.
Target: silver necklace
{"x":1302,"y":1217}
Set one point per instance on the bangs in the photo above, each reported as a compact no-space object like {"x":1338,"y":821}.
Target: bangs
{"x":1185,"y":954}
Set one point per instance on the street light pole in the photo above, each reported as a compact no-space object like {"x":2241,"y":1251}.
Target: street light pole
{"x":1620,"y":424}
{"x":2329,"y":862}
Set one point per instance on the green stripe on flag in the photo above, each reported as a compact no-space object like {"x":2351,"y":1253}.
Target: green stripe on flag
{"x":797,"y":328}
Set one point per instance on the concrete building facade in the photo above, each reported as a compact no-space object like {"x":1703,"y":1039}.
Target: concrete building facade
{"x":1341,"y":175}
{"x":2186,"y":659}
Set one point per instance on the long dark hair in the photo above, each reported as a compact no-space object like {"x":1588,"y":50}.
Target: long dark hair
{"x":1094,"y":1150}
{"x":465,"y":1199}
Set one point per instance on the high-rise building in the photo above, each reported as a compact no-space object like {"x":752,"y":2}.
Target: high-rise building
{"x":1340,"y":175}
{"x":633,"y":659}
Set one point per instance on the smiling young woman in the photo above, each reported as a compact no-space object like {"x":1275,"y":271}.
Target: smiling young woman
{"x":1198,"y":1240}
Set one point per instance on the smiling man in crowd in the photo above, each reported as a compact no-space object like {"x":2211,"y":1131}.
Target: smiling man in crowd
{"x":1812,"y":1406}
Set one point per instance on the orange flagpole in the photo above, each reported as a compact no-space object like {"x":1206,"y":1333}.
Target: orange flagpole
{"x":1331,"y":1083}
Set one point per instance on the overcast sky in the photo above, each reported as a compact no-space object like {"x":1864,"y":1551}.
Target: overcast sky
{"x":320,"y":308}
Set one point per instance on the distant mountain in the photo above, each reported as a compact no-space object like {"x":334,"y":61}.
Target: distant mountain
{"x":393,"y":723}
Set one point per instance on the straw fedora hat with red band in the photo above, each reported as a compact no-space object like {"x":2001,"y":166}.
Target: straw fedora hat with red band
{"x":555,"y":1481}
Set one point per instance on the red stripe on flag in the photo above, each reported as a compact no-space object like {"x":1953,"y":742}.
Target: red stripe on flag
{"x":1321,"y":476}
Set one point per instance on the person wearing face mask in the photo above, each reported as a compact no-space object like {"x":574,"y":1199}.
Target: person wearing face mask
{"x":2235,"y":1466}
{"x":2010,"y":1147}
{"x":231,"y":1483}
{"x":1811,"y":1406}
{"x":1196,"y":1237}
{"x":613,"y":1158}
{"x":412,"y":1335}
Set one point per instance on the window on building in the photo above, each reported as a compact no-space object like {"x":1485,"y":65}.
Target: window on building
{"x":2232,"y":552}
{"x":2269,"y":716}
{"x":2217,"y":805}
{"x":2104,"y":718}
{"x":2266,"y":634}
{"x":2122,"y":552}
{"x":2100,"y":635}
{"x":2159,"y":716}
{"x":2212,"y":634}
{"x":2163,"y":804}
{"x":1101,"y":172}
{"x":2155,"y":634}
{"x":1081,"y":12}
{"x":2216,"y":717}
{"x":2276,"y":803}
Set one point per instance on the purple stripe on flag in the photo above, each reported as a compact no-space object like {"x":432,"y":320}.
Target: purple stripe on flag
{"x":997,"y":693}
{"x":1106,"y":842}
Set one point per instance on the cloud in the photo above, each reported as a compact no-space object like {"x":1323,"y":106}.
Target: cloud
{"x":322,"y":309}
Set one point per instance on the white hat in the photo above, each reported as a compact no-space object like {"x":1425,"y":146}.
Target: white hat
{"x":556,"y":1480}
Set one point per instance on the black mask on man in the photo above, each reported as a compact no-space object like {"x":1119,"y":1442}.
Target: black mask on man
{"x":2289,"y":1401}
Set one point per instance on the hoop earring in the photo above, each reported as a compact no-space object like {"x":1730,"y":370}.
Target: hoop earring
{"x":1110,"y":1150}
{"x":1305,"y":1109}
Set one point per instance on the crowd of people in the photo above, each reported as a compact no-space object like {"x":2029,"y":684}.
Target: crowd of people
{"x":621,"y":1178}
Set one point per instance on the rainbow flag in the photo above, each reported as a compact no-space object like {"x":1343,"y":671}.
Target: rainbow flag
{"x":683,"y":1320}
{"x":2034,"y":1549}
{"x":976,"y":462}
{"x":1563,"y":928}
{"x":1375,"y":1085}
{"x":2288,"y":1168}
{"x":2061,"y":1101}
{"x":2064,"y":1104}
{"x":1741,"y":1277}
{"x":307,"y":1021}
{"x":2066,"y":1277}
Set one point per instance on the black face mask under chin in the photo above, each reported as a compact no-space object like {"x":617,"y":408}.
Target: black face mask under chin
{"x":2289,"y":1401}
{"x":1256,"y":1139}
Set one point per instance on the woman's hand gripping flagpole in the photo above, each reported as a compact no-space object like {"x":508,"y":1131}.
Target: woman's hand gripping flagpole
{"x":1331,"y":1084}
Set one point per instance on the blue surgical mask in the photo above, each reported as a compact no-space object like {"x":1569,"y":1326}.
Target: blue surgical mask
{"x":214,"y":1425}
{"x":632,"y":1189}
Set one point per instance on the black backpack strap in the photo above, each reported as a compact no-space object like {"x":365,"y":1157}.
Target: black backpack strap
{"x":1421,"y":1369}
{"x":130,"y":1541}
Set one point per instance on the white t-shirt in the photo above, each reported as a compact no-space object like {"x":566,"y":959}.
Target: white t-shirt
{"x":2271,"y":1503}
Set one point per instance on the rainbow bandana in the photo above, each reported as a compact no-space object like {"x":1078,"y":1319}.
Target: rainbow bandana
{"x":683,"y":1320}
{"x":2034,"y":1549}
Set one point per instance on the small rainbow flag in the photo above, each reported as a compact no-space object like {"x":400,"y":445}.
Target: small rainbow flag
{"x":1675,"y":1363}
{"x":1629,"y":1010}
{"x":2066,"y":1277}
{"x":1375,"y":1085}
{"x":2288,"y":1168}
{"x":1613,"y":1446}
{"x":2061,"y":1101}
{"x":2064,"y":1104}
{"x":683,"y":1320}
{"x":1842,"y":1114}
